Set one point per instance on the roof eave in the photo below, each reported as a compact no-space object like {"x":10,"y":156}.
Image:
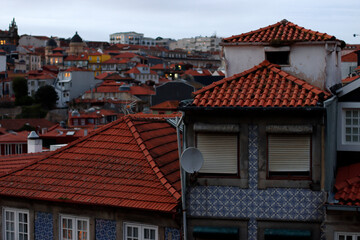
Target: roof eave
{"x":253,"y":109}
{"x":268,"y":43}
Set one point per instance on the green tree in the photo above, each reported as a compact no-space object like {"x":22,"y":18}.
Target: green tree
{"x":46,"y":96}
{"x":19,"y":85}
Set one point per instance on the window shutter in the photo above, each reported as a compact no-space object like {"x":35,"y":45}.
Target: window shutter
{"x":289,"y":153}
{"x":220,"y":152}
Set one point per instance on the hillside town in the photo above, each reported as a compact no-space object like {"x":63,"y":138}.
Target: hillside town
{"x":250,"y":136}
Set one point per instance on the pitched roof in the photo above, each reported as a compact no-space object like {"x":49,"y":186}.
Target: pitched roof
{"x":167,"y":105}
{"x":139,"y":90}
{"x":16,"y":124}
{"x":10,"y":163}
{"x":350,"y":57}
{"x":264,"y":85}
{"x":131,"y":163}
{"x":280,"y":31}
{"x":14,"y":137}
{"x":349,"y":79}
{"x":348,"y":185}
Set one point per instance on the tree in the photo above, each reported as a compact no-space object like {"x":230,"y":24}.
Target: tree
{"x":19,"y":85}
{"x":46,"y":96}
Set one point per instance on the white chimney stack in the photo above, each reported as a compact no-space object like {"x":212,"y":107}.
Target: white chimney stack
{"x":34,"y":143}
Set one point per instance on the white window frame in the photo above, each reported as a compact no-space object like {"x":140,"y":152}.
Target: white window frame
{"x":74,"y":227}
{"x":278,"y":159}
{"x":141,"y":228}
{"x":8,"y":149}
{"x":354,"y":235}
{"x":342,"y":145}
{"x":220,"y":152}
{"x":16,"y":222}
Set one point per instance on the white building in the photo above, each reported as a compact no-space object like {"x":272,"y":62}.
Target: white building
{"x":131,"y":38}
{"x":316,"y":59}
{"x":202,"y":44}
{"x":2,"y":60}
{"x":39,"y":79}
{"x":34,"y":41}
{"x":72,"y":83}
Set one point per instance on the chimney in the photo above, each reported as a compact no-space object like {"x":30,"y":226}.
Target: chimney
{"x":34,"y":143}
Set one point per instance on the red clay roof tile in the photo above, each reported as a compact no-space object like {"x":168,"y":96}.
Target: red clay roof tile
{"x":123,"y":164}
{"x":280,"y":31}
{"x":348,"y":185}
{"x":261,"y":86}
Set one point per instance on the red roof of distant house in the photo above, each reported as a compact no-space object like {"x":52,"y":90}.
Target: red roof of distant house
{"x":167,"y":105}
{"x":60,"y":132}
{"x":158,"y":67}
{"x":264,"y":85}
{"x":130,"y":163}
{"x":349,"y":79}
{"x":116,"y":61}
{"x":58,"y":49}
{"x":133,"y":70}
{"x":101,"y":76}
{"x":348,"y":185}
{"x":95,"y":54}
{"x":16,"y":124}
{"x":14,"y":137}
{"x":56,"y":55}
{"x":96,"y":114}
{"x":280,"y":31}
{"x":42,"y":37}
{"x":350,"y":57}
{"x":139,"y":90}
{"x":10,"y":163}
{"x":76,"y":69}
{"x":126,"y":55}
{"x":82,"y":57}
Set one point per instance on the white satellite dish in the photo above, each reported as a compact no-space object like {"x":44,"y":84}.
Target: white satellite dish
{"x":191,"y":160}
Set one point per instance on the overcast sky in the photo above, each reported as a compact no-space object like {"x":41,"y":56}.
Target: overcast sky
{"x":96,"y":19}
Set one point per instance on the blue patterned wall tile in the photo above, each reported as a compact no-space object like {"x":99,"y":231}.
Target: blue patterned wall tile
{"x":172,"y":234}
{"x":43,"y":226}
{"x":105,"y":229}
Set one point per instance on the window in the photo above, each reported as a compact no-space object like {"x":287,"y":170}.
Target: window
{"x":134,"y":231}
{"x":289,"y":155}
{"x":74,"y":228}
{"x":8,"y":149}
{"x":18,"y":148}
{"x":220,"y":152}
{"x":16,"y":224}
{"x":352,"y":126}
{"x":76,"y":122}
{"x":347,"y":236}
{"x":281,"y":58}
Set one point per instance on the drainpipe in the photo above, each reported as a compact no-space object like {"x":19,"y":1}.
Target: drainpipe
{"x":182,"y":173}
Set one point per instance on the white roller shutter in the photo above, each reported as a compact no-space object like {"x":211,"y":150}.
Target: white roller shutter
{"x":220,"y":152}
{"x":289,"y":153}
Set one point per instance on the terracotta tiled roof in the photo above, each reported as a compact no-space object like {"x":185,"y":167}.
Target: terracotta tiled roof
{"x":350,"y":57}
{"x":348,"y":185}
{"x":167,"y":105}
{"x":264,"y":85}
{"x":283,"y":31}
{"x":158,"y":67}
{"x":16,"y":124}
{"x":14,"y":137}
{"x":82,"y":57}
{"x":133,"y":70}
{"x":139,"y":90}
{"x":115,"y":61}
{"x":56,"y":55}
{"x":349,"y":79}
{"x":130,"y":163}
{"x":12,"y":162}
{"x":76,"y":69}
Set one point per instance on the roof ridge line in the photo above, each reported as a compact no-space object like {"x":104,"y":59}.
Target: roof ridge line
{"x":163,"y":180}
{"x":254,"y":31}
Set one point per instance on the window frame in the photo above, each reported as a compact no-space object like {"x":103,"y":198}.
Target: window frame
{"x":346,"y":234}
{"x":231,"y":175}
{"x":342,"y":145}
{"x":16,"y":212}
{"x":280,"y":50}
{"x":75,"y":228}
{"x":141,"y":228}
{"x":289,"y":175}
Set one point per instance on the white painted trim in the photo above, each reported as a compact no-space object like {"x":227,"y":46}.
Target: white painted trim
{"x":16,"y":211}
{"x":141,"y":227}
{"x":348,"y":88}
{"x":341,"y":145}
{"x":74,"y":225}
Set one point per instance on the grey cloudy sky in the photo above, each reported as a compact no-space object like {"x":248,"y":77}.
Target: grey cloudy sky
{"x":96,"y":19}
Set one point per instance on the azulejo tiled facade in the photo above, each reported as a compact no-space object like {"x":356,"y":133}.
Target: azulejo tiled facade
{"x":44,"y":226}
{"x":288,"y":204}
{"x":105,"y":229}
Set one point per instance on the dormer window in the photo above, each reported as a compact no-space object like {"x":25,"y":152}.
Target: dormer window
{"x":278,"y":55}
{"x":349,"y":126}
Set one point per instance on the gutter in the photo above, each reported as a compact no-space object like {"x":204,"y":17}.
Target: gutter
{"x":182,"y":174}
{"x":342,"y":208}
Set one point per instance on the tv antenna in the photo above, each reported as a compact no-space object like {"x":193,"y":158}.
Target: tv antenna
{"x":191,"y":160}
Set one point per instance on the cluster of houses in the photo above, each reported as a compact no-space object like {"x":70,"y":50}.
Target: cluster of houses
{"x":279,"y":139}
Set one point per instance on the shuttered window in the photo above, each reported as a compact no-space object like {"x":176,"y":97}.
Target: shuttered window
{"x":220,"y":152}
{"x":289,"y":154}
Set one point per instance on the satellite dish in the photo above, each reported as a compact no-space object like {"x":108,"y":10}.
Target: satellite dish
{"x":191,"y":160}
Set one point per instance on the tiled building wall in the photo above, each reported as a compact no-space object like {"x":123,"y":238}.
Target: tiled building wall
{"x":252,"y":203}
{"x":105,"y":229}
{"x":44,"y":226}
{"x":172,"y":234}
